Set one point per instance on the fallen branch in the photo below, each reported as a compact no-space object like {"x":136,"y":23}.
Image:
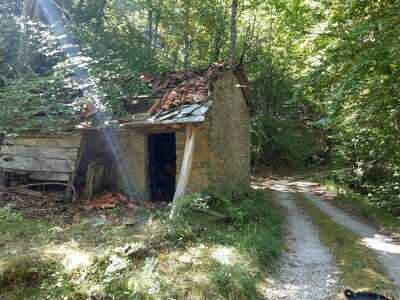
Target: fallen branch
{"x":43,"y":183}
{"x":53,"y":183}
{"x":42,"y":209}
{"x":27,"y":192}
{"x":210,"y":212}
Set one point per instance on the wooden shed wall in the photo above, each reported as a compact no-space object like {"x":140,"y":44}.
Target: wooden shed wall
{"x":42,"y":157}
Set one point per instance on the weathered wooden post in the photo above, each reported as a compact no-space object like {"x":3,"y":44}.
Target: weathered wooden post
{"x":185,"y":170}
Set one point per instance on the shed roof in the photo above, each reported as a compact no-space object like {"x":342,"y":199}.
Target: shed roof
{"x":171,"y":98}
{"x":183,"y":96}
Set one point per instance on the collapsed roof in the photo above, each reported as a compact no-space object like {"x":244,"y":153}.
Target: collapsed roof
{"x":171,"y":98}
{"x":184,"y":96}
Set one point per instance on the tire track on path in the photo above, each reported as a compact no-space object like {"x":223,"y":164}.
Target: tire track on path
{"x":307,"y":269}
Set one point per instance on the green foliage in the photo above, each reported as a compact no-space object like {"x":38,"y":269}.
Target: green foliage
{"x":316,"y":68}
{"x":284,"y":143}
{"x":380,"y":187}
{"x":356,"y":83}
{"x":234,"y":282}
{"x":8,"y":39}
{"x":44,"y":103}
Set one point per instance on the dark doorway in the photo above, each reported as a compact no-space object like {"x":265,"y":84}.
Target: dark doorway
{"x":162,"y":152}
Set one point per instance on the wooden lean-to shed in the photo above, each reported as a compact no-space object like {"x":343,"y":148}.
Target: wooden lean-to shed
{"x":188,"y":133}
{"x":47,"y":157}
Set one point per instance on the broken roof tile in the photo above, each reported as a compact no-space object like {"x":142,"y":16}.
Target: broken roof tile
{"x":183,"y":96}
{"x":182,"y":87}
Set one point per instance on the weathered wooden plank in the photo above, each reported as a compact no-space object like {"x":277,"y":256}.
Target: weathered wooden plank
{"x":94,"y":178}
{"x":37,"y":152}
{"x":70,"y":189}
{"x":36,"y":164}
{"x":183,"y":179}
{"x":37,"y":134}
{"x":72,"y":141}
{"x":51,"y":176}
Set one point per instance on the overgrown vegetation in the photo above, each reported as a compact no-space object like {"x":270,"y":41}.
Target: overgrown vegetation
{"x":363,"y":206}
{"x":358,"y":264}
{"x":200,"y":255}
{"x":324,"y":74}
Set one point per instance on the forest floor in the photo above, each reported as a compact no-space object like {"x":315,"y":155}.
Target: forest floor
{"x":327,"y":249}
{"x":138,"y":253}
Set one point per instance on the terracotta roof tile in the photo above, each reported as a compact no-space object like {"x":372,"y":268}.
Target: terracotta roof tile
{"x":182,"y":96}
{"x":182,"y":87}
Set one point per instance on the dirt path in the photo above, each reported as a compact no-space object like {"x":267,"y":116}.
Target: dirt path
{"x":307,"y":270}
{"x":388,"y":253}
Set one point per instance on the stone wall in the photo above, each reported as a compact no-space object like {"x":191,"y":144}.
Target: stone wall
{"x":222,"y":147}
{"x":133,"y":177}
{"x":128,"y":156}
{"x":198,"y":179}
{"x":229,"y":132}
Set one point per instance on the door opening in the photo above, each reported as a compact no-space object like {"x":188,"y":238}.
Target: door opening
{"x":162,"y":152}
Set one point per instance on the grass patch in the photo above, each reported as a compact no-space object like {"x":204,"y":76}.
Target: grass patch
{"x":358,"y":264}
{"x":199,"y":256}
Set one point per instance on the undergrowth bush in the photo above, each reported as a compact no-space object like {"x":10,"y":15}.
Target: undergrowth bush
{"x":380,"y":191}
{"x":284,"y":143}
{"x":248,"y":221}
{"x":234,"y":282}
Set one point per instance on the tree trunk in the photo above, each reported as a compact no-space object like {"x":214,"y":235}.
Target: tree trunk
{"x":186,"y":38}
{"x":100,"y":17}
{"x":150,"y":26}
{"x":156,"y":30}
{"x":79,"y":7}
{"x":217,"y":46}
{"x":25,"y":55}
{"x":232,"y":49}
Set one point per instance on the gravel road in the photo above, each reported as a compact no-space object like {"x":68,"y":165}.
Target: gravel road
{"x":387,"y":252}
{"x":307,"y":269}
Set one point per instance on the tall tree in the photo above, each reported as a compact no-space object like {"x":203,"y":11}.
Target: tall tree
{"x":25,"y":55}
{"x":100,"y":17}
{"x":186,"y":55}
{"x":232,"y":48}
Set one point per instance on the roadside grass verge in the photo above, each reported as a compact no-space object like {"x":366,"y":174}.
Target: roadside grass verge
{"x":360,"y":270}
{"x":361,"y":207}
{"x":199,"y":256}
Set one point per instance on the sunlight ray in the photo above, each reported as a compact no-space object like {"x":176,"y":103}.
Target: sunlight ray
{"x":89,"y":86}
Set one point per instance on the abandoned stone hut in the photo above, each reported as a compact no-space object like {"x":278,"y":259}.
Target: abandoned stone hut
{"x":190,"y":132}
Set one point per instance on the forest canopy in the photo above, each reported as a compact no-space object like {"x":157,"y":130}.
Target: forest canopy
{"x":324,"y":74}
